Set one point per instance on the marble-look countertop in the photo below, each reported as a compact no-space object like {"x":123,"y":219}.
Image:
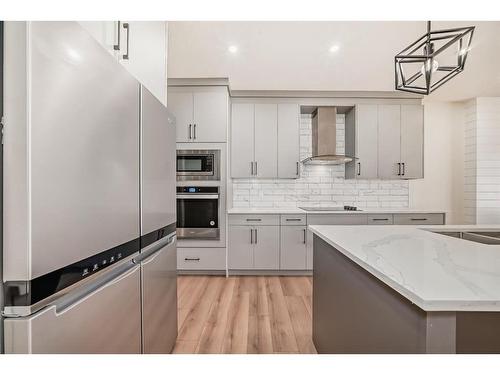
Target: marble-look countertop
{"x":278,"y":210}
{"x":434,"y":271}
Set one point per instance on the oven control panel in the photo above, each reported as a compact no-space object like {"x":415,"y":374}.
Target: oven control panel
{"x":198,"y":189}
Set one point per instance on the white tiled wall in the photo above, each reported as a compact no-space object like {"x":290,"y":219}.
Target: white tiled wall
{"x":470,"y":163}
{"x":320,"y":185}
{"x":482,"y":161}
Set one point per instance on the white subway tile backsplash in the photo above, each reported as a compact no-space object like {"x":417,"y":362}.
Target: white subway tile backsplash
{"x":320,"y":185}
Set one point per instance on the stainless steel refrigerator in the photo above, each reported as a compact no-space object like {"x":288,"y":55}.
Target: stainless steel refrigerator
{"x":89,"y":248}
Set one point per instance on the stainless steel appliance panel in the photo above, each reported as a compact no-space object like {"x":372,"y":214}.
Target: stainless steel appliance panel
{"x":84,"y":155}
{"x":159,"y":294}
{"x":157,"y":164}
{"x":100,"y":318}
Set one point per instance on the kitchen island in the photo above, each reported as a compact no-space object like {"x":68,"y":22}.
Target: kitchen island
{"x":402,"y":289}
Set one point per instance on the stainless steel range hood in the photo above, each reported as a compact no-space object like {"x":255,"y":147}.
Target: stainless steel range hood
{"x":324,"y":138}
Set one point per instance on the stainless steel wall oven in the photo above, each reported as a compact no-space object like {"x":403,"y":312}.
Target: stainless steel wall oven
{"x":198,"y":212}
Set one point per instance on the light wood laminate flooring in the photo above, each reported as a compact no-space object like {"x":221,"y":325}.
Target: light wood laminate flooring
{"x":244,"y":314}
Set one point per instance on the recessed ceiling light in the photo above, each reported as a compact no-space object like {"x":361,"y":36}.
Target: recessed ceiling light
{"x":232,"y":49}
{"x":334,"y":48}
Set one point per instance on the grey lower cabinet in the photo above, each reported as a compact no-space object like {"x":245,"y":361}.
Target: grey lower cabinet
{"x":293,"y":248}
{"x":281,"y":242}
{"x":266,"y":248}
{"x":253,"y":247}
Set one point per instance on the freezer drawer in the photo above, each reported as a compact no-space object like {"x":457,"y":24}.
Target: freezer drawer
{"x":159,"y":293}
{"x":106,"y":320}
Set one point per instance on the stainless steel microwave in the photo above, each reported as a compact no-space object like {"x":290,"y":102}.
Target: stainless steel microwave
{"x":196,"y":165}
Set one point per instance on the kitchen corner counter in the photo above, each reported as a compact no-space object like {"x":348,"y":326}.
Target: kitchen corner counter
{"x":296,"y":210}
{"x":433,"y":271}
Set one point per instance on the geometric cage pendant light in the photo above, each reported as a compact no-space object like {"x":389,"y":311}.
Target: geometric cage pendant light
{"x":433,"y":59}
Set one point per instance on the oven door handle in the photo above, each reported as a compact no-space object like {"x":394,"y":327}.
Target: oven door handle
{"x":197,"y":196}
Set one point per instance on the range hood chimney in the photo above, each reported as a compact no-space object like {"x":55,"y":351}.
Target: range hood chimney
{"x":324,"y":138}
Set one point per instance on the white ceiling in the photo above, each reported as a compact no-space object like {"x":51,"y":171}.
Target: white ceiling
{"x":296,"y":55}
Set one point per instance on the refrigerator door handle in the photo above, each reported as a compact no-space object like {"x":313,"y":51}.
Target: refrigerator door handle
{"x":71,"y":300}
{"x":151,"y":251}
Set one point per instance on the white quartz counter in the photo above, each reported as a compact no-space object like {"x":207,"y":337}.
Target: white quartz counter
{"x":434,"y":271}
{"x":278,"y":210}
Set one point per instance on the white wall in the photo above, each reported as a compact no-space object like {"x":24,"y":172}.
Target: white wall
{"x":443,"y":183}
{"x":482,"y":164}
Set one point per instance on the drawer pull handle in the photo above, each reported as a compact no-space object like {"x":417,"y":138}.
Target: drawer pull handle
{"x":293,"y":219}
{"x":254,"y":219}
{"x":304,"y":235}
{"x":418,"y":219}
{"x":385,"y":219}
{"x":192,"y":259}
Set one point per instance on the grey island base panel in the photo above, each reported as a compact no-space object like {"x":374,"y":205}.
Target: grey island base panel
{"x":355,"y":312}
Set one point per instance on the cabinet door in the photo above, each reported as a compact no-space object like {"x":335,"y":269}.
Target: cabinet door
{"x":146,"y":55}
{"x":266,"y":248}
{"x":266,"y":140}
{"x":389,"y":141}
{"x":309,"y":250}
{"x":180,"y":103}
{"x":210,"y":115}
{"x":366,"y":141}
{"x":242,"y":140}
{"x":240,"y":252}
{"x":106,"y":33}
{"x":412,"y":141}
{"x":293,"y":248}
{"x":288,"y":141}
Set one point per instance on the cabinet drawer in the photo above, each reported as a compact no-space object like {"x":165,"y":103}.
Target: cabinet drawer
{"x":334,"y":219}
{"x":293,"y":219}
{"x":380,"y":219}
{"x":201,"y":259}
{"x":254,"y":219}
{"x":418,"y":219}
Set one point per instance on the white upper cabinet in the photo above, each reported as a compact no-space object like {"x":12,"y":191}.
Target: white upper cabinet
{"x":389,"y":141}
{"x":140,"y":46}
{"x":264,"y":140}
{"x":412,"y":141}
{"x":144,"y":46}
{"x":210,"y":114}
{"x":288,"y":140}
{"x":180,"y":103}
{"x":106,"y":33}
{"x":361,"y":132}
{"x":242,"y":140}
{"x":201,"y":113}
